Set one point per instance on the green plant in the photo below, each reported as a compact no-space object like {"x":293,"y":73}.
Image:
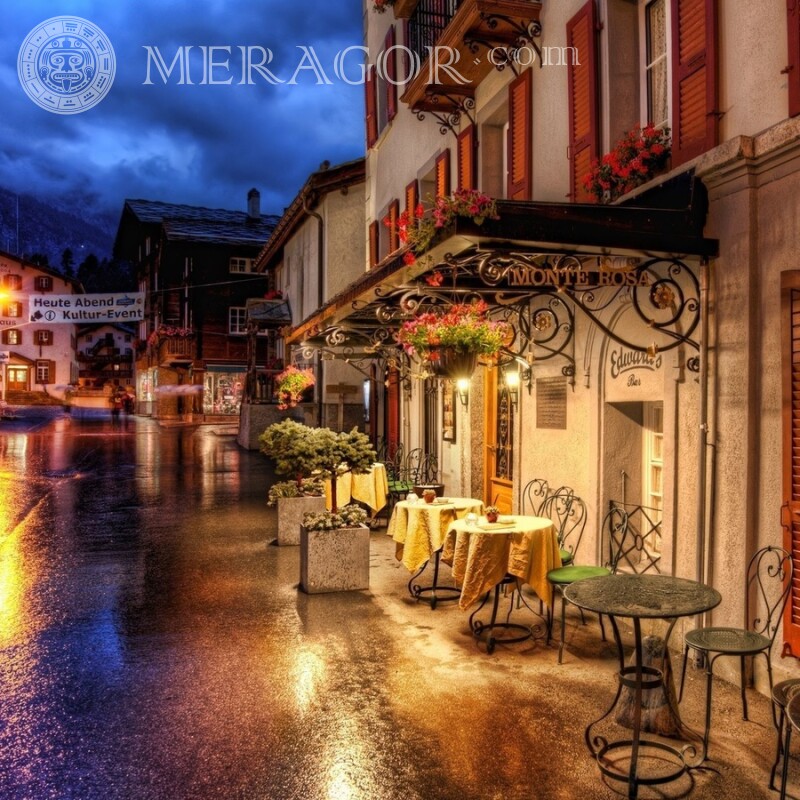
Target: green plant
{"x":416,"y":228}
{"x":381,"y":5}
{"x":320,"y":453}
{"x":348,"y":516}
{"x":463,"y":327}
{"x":290,"y":385}
{"x":308,"y":487}
{"x":635,"y":159}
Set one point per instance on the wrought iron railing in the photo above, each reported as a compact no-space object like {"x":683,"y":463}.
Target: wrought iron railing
{"x":641,"y":547}
{"x":427,"y":22}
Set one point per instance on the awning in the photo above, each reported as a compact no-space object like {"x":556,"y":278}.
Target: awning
{"x":537,"y":266}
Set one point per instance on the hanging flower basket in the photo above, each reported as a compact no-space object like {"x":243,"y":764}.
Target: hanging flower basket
{"x":453,"y":364}
{"x":450,"y":342}
{"x":290,"y":385}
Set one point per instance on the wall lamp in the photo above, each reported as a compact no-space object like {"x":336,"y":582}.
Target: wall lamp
{"x":462,"y":387}
{"x":513,"y":380}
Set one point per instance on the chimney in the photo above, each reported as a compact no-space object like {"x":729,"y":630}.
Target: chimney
{"x":254,"y":204}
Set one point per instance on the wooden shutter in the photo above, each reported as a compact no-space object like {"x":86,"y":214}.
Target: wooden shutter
{"x":695,"y":120}
{"x":583,"y":106}
{"x":412,"y":199}
{"x":374,"y":233}
{"x":443,"y":174}
{"x":793,"y":67}
{"x":371,"y":106}
{"x":392,"y":410}
{"x":790,"y":296}
{"x":394,"y":232}
{"x":519,"y":137}
{"x":467,"y":145}
{"x":391,"y":74}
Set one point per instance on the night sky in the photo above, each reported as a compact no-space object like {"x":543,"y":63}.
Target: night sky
{"x":196,"y":144}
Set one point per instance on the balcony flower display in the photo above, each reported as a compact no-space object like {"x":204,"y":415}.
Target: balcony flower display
{"x":381,"y":5}
{"x":168,"y":332}
{"x":290,"y":385}
{"x":416,"y":231}
{"x":636,"y":159}
{"x":451,"y":341}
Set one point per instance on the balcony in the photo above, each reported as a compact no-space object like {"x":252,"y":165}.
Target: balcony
{"x":467,"y":31}
{"x":175,"y":350}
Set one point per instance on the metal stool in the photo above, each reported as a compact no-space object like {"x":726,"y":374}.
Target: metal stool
{"x":782,"y":693}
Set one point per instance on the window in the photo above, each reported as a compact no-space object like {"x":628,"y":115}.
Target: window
{"x":241,"y":264}
{"x":656,"y":64}
{"x":237,"y":320}
{"x":374,"y":236}
{"x":12,"y":336}
{"x":653,"y":461}
{"x":43,"y":283}
{"x":12,"y":281}
{"x":43,"y":337}
{"x":467,"y":148}
{"x":44,"y":371}
{"x":12,"y":309}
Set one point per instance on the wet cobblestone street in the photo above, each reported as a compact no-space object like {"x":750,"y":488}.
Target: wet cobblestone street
{"x":154,"y":645}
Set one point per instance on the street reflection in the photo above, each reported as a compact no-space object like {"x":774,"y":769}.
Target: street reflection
{"x":11,"y":590}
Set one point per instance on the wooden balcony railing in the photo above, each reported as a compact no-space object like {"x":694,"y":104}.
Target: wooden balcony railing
{"x":176,"y":348}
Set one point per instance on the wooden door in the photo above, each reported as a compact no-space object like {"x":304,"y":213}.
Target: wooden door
{"x":17,"y":379}
{"x":499,"y":438}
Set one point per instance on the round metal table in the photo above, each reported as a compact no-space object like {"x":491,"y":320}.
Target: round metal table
{"x":638,"y":597}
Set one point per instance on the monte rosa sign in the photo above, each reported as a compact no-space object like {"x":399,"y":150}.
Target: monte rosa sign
{"x":128,"y":307}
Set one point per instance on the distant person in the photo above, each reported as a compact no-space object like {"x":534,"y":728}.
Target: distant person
{"x":128,"y":402}
{"x":116,"y":405}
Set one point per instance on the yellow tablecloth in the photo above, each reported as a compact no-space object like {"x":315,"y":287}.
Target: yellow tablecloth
{"x":368,"y":487}
{"x":419,"y":528}
{"x":480,"y":559}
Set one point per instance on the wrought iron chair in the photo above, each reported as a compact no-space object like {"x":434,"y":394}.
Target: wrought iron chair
{"x":413,"y":464}
{"x":614,"y":529}
{"x":769,"y":579}
{"x":568,"y":513}
{"x":534,"y":496}
{"x":396,"y":476}
{"x":428,"y":475}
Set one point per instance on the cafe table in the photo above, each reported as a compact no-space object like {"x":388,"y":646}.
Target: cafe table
{"x":485,"y":556}
{"x":370,"y":488}
{"x":637,"y":598}
{"x":418,"y":530}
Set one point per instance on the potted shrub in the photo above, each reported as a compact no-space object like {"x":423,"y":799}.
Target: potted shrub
{"x":287,"y":443}
{"x":334,"y":551}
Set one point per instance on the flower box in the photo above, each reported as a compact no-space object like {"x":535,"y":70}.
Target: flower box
{"x":290,"y":516}
{"x":334,"y":560}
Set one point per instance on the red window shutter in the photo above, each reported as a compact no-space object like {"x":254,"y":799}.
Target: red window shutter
{"x":392,"y":410}
{"x":391,"y":75}
{"x":793,"y":67}
{"x":583,"y":105}
{"x":394,"y":231}
{"x":371,"y":106}
{"x":519,"y":137}
{"x":412,"y":199}
{"x":443,"y":174}
{"x":467,"y":146}
{"x":373,"y":243}
{"x":695,"y":121}
{"x":790,"y":295}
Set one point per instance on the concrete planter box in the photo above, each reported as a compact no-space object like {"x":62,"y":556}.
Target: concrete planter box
{"x":334,"y":561}
{"x":290,"y":516}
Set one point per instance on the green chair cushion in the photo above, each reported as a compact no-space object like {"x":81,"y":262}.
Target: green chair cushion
{"x":563,"y":576}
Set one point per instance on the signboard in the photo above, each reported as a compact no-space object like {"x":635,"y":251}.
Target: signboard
{"x":633,"y":375}
{"x":55,"y":308}
{"x":5,"y":357}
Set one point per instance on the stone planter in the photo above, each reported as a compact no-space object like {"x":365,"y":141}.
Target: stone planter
{"x":334,"y":561}
{"x":290,"y":516}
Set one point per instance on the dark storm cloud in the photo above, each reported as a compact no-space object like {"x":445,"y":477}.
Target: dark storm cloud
{"x":197,"y":144}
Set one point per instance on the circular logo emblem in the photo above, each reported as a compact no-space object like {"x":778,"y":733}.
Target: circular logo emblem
{"x":66,"y":65}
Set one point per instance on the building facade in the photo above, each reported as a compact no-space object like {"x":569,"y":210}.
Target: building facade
{"x":196,"y":266}
{"x":651,"y":361}
{"x":40,"y":362}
